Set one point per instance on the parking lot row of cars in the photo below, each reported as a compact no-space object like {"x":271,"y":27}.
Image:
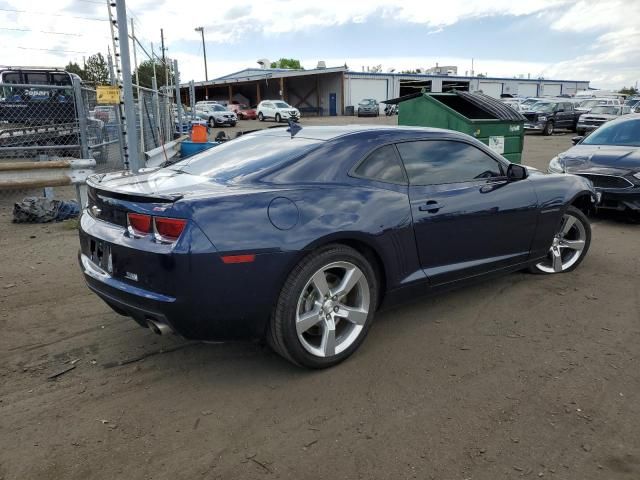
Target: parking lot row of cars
{"x":545,"y":115}
{"x":218,"y":114}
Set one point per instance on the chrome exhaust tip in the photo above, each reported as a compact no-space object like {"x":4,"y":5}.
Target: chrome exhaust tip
{"x":158,"y":328}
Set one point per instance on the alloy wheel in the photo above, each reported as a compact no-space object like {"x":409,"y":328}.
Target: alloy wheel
{"x":567,"y":246}
{"x":332,"y":309}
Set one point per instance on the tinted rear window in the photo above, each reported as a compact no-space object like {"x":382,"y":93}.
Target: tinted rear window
{"x":245,"y":156}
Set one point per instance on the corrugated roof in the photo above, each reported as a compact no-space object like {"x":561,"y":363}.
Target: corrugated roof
{"x":251,"y":74}
{"x":462,"y":77}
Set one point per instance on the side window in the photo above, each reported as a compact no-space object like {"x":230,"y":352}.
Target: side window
{"x":568,"y":107}
{"x":441,"y":161}
{"x":383,"y":165}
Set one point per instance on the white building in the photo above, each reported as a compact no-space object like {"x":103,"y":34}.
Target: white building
{"x":329,"y":91}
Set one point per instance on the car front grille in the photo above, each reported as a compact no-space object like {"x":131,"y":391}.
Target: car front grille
{"x":607,"y":181}
{"x":532,"y":117}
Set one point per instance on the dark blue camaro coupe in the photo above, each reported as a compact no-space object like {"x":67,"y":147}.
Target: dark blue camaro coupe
{"x":299,"y":239}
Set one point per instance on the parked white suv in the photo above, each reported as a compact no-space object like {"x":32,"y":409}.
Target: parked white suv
{"x":215,"y":114}
{"x":278,"y":110}
{"x":586,"y":105}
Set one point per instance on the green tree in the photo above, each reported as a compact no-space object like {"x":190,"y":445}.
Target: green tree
{"x":73,"y":67}
{"x":145,"y":73}
{"x":291,"y":63}
{"x":96,"y":70}
{"x":629,"y":91}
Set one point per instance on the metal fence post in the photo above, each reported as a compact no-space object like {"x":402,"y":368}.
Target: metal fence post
{"x":81,"y":112}
{"x":117,"y":108}
{"x":176,"y":74}
{"x":131,"y":148}
{"x":156,"y":109}
{"x":192,"y":99}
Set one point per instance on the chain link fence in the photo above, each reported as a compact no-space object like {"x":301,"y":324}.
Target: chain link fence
{"x":59,"y":123}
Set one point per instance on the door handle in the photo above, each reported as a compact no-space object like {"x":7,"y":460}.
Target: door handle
{"x":430,"y":207}
{"x":486,"y":188}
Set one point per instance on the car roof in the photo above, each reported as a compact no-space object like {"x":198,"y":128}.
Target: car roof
{"x":326,"y":132}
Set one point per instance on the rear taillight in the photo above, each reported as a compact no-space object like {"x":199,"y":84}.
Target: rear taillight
{"x":165,"y":229}
{"x":169,"y":229}
{"x":139,"y":224}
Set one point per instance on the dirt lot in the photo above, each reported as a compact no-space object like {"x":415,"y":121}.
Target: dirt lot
{"x":526,"y":376}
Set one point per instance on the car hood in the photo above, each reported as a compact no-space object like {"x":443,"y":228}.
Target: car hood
{"x":602,"y":159}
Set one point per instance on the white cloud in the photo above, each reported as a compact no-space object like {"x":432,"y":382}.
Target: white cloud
{"x":612,"y":60}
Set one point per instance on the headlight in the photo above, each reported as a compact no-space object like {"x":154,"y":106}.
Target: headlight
{"x":555,"y":166}
{"x":542,"y":119}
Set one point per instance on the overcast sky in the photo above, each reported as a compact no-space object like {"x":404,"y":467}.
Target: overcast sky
{"x":596,"y":40}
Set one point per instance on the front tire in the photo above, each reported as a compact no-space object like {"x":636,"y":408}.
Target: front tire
{"x":548,"y":128}
{"x":325,"y":308}
{"x":569,"y":246}
{"x":261,"y":117}
{"x":278,"y":118}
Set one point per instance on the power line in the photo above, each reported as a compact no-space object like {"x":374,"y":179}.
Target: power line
{"x":52,"y":14}
{"x":51,"y":50}
{"x":40,"y":31}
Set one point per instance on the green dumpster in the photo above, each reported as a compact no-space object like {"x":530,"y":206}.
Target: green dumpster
{"x":483,"y":117}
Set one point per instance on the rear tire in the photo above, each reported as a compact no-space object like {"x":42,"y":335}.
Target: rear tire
{"x":306,"y":326}
{"x":211,"y":122}
{"x":548,"y":128}
{"x":261,"y":117}
{"x":569,"y":246}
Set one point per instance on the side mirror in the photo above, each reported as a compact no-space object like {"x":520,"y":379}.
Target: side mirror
{"x":577,"y":139}
{"x":516,"y":172}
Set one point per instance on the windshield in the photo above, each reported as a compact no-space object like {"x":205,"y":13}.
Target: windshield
{"x":625,"y":133}
{"x":218,"y":108}
{"x":245,"y":156}
{"x":529,"y":101}
{"x":591,"y":103}
{"x":282,"y":105}
{"x":542,"y":107}
{"x":367,"y":102}
{"x":604,"y":109}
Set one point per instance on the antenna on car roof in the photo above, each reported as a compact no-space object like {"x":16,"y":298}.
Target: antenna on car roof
{"x":293,"y":128}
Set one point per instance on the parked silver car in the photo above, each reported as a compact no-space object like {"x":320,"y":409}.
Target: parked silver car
{"x":598,"y":115}
{"x":215,"y":114}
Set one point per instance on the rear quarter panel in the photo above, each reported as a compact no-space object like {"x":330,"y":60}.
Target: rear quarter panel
{"x":312,"y":216}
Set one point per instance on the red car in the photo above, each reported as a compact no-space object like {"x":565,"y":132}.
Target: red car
{"x":243,"y":112}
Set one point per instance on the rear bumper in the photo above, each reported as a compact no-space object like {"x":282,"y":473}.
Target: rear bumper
{"x":188,"y":288}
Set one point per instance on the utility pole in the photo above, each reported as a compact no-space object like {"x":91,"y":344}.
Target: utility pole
{"x":162,"y":42}
{"x":127,"y":87}
{"x":204,"y":52}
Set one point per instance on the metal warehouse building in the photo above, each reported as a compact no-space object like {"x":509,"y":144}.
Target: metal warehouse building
{"x":328,"y":91}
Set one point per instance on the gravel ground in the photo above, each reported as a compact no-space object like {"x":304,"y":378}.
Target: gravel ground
{"x":524,"y":376}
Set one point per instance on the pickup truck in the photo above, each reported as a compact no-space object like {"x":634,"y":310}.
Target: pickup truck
{"x":546,"y":116}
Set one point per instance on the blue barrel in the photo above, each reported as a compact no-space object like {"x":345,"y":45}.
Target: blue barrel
{"x":188,"y":148}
